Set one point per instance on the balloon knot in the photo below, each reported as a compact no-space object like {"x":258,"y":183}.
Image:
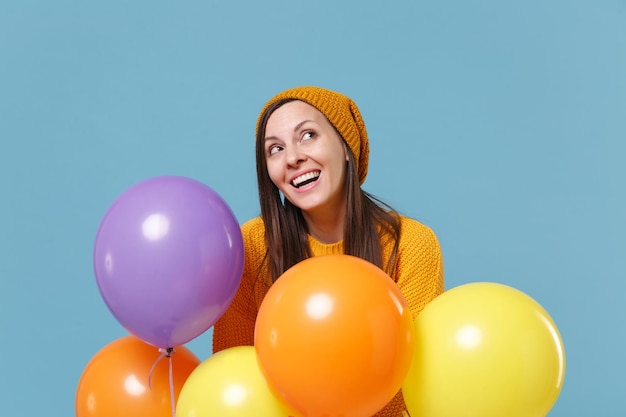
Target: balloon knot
{"x":167,"y":352}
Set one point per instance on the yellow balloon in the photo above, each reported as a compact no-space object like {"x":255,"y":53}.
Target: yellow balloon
{"x":230,"y":384}
{"x":484,"y":350}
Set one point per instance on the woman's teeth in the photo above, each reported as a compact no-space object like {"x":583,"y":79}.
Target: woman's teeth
{"x":305,"y":179}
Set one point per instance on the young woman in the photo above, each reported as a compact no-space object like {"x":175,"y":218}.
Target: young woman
{"x":312,"y":155}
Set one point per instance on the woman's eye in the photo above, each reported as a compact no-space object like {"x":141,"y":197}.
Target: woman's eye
{"x":308,"y":135}
{"x":273,"y":149}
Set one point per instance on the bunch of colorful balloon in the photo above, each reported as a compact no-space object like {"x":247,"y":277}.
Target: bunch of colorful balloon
{"x":334,"y":337}
{"x":168,"y":259}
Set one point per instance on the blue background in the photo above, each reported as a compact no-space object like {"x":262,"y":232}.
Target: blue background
{"x":500,"y":124}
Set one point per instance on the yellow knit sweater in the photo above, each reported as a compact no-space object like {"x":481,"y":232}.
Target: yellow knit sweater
{"x":418,"y":273}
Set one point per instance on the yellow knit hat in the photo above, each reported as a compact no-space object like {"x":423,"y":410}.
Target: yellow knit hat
{"x":342,"y":113}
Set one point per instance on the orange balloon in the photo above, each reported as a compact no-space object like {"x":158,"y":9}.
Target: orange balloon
{"x":335,"y":337}
{"x":115,"y":382}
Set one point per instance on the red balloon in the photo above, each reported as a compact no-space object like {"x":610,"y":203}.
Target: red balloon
{"x":117,"y":380}
{"x":334,"y":336}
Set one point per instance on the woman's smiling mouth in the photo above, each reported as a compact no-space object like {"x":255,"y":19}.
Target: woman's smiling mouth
{"x":304,"y":179}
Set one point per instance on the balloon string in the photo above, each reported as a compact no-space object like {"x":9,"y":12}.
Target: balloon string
{"x":172,"y":399}
{"x":165,"y":353}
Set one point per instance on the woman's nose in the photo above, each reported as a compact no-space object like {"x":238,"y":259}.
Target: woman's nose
{"x":294,"y":156}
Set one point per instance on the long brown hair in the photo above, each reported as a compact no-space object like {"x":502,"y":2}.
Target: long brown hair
{"x":369,"y":225}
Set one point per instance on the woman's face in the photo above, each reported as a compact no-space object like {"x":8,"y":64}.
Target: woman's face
{"x":306,"y":157}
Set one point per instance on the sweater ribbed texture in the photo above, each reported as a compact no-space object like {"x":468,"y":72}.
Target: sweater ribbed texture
{"x":418,"y":273}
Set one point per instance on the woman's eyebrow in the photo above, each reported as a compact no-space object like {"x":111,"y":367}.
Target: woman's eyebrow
{"x":299,"y":125}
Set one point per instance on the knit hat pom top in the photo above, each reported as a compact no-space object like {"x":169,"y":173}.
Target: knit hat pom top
{"x":341,"y":112}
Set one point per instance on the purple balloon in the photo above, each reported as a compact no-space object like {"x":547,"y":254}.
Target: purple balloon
{"x":168,"y":259}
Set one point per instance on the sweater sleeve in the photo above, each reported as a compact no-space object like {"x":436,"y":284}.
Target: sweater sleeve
{"x":419,"y":269}
{"x":236,"y":326}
